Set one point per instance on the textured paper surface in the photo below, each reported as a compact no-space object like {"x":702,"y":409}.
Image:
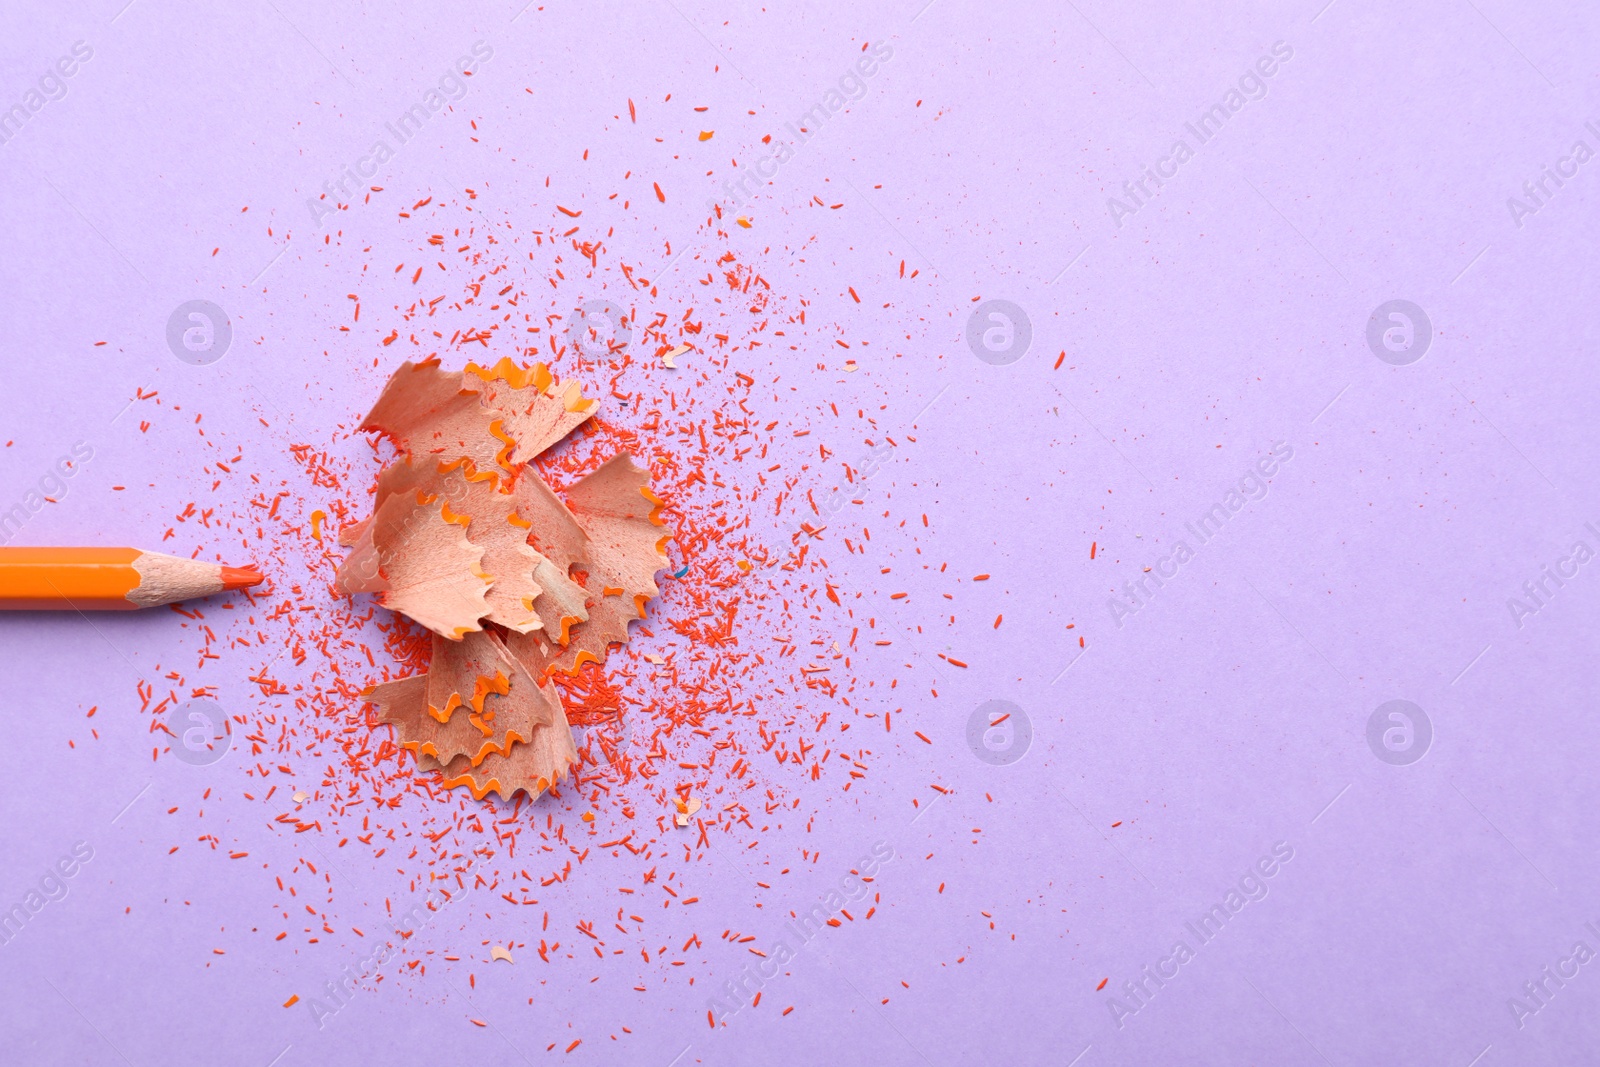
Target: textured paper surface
{"x":1176,"y":339}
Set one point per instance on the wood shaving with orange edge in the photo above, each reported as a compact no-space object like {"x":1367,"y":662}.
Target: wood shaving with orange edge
{"x":467,"y":540}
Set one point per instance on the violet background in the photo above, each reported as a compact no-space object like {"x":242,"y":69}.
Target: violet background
{"x":1227,"y":315}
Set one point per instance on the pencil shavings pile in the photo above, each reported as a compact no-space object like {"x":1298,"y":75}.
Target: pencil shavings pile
{"x":466,"y":539}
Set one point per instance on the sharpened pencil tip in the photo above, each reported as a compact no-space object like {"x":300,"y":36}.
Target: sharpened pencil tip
{"x":240,"y":577}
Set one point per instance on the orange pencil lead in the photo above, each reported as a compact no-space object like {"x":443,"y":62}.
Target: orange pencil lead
{"x":240,"y":577}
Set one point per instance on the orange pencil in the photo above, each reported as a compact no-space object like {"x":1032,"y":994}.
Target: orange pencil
{"x":109,"y":579}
